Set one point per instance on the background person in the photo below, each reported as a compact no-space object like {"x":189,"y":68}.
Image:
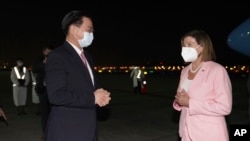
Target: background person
{"x":20,"y":78}
{"x":34,"y":96}
{"x":137,"y":76}
{"x":38,"y":70}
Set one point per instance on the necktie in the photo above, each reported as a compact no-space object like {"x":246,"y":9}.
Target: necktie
{"x":84,"y":60}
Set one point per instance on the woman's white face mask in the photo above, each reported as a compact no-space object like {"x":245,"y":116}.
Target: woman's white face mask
{"x":189,"y":54}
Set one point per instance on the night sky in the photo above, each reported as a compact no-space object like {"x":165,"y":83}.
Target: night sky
{"x":123,"y":34}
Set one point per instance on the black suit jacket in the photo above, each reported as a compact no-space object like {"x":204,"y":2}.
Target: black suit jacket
{"x":71,"y":92}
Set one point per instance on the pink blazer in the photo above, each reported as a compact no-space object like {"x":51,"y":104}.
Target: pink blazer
{"x":210,"y":100}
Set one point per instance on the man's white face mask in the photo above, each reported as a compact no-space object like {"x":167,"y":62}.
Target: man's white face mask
{"x":189,"y":54}
{"x":87,"y":39}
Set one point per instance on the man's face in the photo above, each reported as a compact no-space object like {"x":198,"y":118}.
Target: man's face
{"x":87,"y":26}
{"x":19,"y":63}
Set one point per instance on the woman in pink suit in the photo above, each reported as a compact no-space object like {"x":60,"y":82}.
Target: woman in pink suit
{"x":204,"y":93}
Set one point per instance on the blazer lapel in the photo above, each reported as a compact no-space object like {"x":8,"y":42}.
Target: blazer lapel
{"x":199,"y":78}
{"x":78,"y":61}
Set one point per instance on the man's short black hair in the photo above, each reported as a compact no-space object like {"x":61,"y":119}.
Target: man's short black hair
{"x":72,"y":17}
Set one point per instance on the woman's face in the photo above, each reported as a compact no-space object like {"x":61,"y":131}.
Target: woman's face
{"x":191,"y":42}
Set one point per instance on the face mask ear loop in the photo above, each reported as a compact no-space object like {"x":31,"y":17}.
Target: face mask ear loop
{"x":198,"y":51}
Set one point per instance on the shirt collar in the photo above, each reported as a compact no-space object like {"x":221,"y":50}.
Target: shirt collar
{"x":79,"y":51}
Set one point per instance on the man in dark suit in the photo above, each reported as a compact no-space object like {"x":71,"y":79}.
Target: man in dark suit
{"x":71,"y":84}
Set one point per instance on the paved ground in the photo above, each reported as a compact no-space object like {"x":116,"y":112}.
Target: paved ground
{"x":132,"y":117}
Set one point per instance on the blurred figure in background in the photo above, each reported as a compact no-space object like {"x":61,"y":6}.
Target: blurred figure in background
{"x":20,"y":78}
{"x":38,"y":70}
{"x":137,"y":76}
{"x":35,"y":98}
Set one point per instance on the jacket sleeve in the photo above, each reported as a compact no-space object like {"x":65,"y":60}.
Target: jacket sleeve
{"x":176,"y":106}
{"x":60,"y":87}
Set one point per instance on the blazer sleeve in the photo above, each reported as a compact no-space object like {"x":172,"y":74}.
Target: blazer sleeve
{"x":221,"y":104}
{"x":176,"y":106}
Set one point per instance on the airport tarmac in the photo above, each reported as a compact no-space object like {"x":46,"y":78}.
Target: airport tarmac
{"x":132,"y":117}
